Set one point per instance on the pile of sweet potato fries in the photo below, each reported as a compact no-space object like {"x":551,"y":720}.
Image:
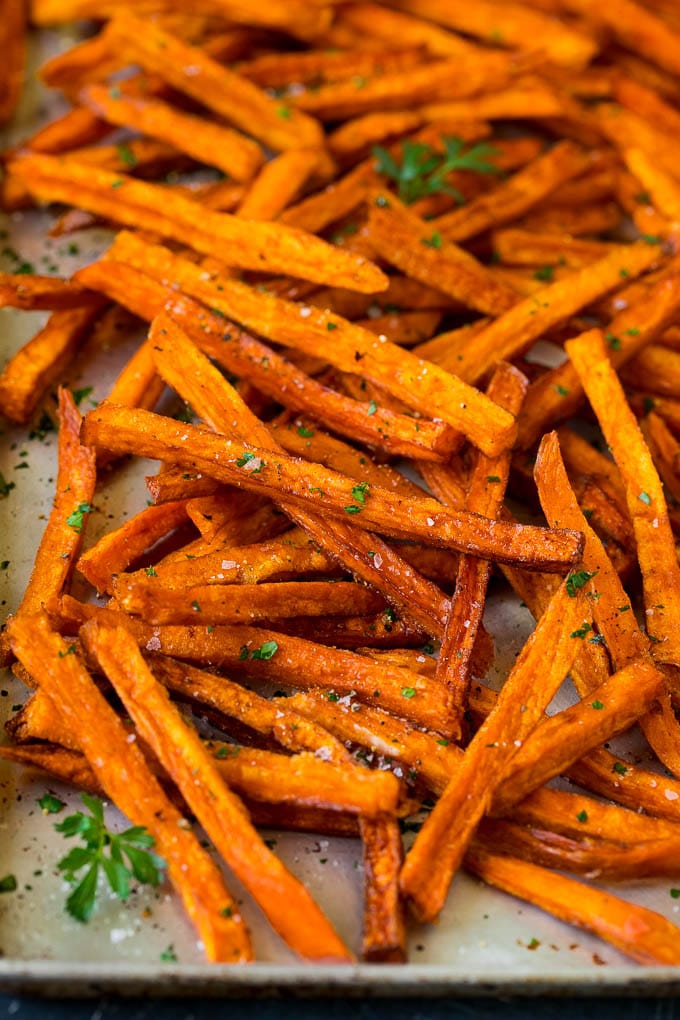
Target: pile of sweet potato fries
{"x":405,"y":199}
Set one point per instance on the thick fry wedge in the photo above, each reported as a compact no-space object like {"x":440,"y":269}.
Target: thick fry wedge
{"x":13,"y":43}
{"x":284,"y":901}
{"x":122,"y":771}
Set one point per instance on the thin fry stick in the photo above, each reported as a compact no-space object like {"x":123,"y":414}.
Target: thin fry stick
{"x":288,"y":906}
{"x":644,"y":495}
{"x":251,"y":245}
{"x":451,"y":825}
{"x":123,"y":773}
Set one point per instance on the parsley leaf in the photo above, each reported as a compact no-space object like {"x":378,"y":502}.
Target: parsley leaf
{"x":265,"y":651}
{"x":129,"y":856}
{"x":577,"y":580}
{"x":422,"y":171}
{"x":76,"y":519}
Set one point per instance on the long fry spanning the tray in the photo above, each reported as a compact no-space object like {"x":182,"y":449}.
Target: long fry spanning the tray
{"x":377,"y":247}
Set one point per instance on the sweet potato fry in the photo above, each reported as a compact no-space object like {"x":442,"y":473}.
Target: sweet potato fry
{"x":125,"y":430}
{"x":521,"y":247}
{"x":665,"y":451}
{"x":278,"y":183}
{"x":485,"y":495}
{"x":655,"y":369}
{"x":663,"y":188}
{"x":13,"y":43}
{"x":32,"y":293}
{"x":41,"y":362}
{"x":211,"y":604}
{"x":525,"y":98}
{"x":226,"y":93}
{"x":214,"y":144}
{"x":251,"y":245}
{"x":384,"y":928}
{"x":273,"y":720}
{"x":118,"y":549}
{"x":640,"y":933}
{"x":454,"y":78}
{"x":513,"y":25}
{"x":558,"y":393}
{"x":516,"y":195}
{"x":451,"y":825}
{"x":638,"y":29}
{"x":644,"y":494}
{"x":388,"y":24}
{"x":282,"y":898}
{"x":421,"y":385}
{"x":62,"y":538}
{"x":512,"y":333}
{"x":407,"y":242}
{"x":123,"y":773}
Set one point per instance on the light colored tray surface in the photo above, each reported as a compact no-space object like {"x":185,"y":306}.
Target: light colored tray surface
{"x":485,"y":941}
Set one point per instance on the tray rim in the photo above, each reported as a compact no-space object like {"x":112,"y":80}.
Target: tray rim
{"x":53,"y":978}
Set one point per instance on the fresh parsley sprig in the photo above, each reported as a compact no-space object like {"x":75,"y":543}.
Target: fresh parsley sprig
{"x":121,"y":856}
{"x":423,"y":171}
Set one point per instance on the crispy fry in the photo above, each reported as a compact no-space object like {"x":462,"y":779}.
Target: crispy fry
{"x":124,"y":430}
{"x":451,"y":825}
{"x":278,"y":183}
{"x":558,"y":393}
{"x":512,"y":25}
{"x":209,"y":143}
{"x":644,"y":494}
{"x":282,"y":898}
{"x":665,"y":451}
{"x":512,"y":333}
{"x":13,"y":43}
{"x":137,"y":203}
{"x":514,"y":197}
{"x":405,"y":240}
{"x":41,"y":362}
{"x":421,"y":385}
{"x":646,"y":936}
{"x":62,"y":538}
{"x":35,"y":292}
{"x":123,"y":773}
{"x":384,"y":929}
{"x":485,"y":495}
{"x":638,"y":29}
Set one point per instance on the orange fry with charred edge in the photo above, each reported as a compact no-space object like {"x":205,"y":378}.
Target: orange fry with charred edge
{"x":559,"y":393}
{"x":189,"y":69}
{"x":208,"y":142}
{"x":612,"y":862}
{"x":366,"y":556}
{"x":402,"y":238}
{"x":485,"y":495}
{"x":63,"y":535}
{"x":384,"y":928}
{"x":219,"y":603}
{"x":117,"y":550}
{"x":516,"y":195}
{"x":295,"y":662}
{"x":32,"y":293}
{"x":250,"y":244}
{"x":278,"y":70}
{"x":640,"y":933}
{"x":126,"y":430}
{"x":513,"y":333}
{"x":122,"y":771}
{"x":138,"y":384}
{"x":286,"y":903}
{"x":41,"y":362}
{"x":290,"y":729}
{"x":272,"y":373}
{"x":521,"y":247}
{"x":644,"y":494}
{"x":419,"y":384}
{"x":441,"y":843}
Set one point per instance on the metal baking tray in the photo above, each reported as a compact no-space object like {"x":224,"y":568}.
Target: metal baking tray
{"x":485,"y":942}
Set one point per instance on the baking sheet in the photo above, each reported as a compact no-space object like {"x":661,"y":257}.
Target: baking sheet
{"x":485,"y":942}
